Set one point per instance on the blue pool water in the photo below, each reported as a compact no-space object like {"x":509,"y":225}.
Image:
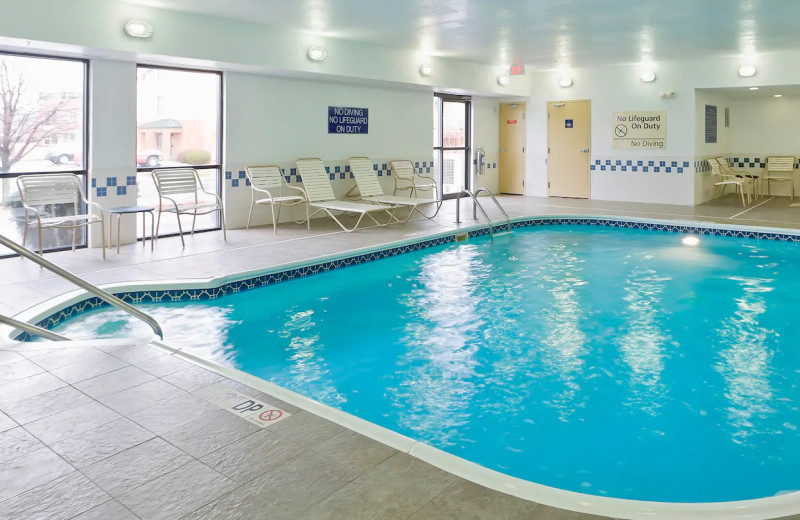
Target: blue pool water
{"x":607,"y":361}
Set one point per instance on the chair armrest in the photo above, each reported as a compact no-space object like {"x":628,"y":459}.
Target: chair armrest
{"x":298,"y":188}
{"x":98,"y":206}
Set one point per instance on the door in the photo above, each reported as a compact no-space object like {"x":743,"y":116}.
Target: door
{"x":451,"y":139}
{"x":569,"y":136}
{"x":511,"y":173}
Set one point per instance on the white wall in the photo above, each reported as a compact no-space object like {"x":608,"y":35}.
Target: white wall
{"x":274,"y":120}
{"x":704,"y":182}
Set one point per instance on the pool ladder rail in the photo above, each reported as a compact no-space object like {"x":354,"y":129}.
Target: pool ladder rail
{"x":476,"y":205}
{"x":80,"y":282}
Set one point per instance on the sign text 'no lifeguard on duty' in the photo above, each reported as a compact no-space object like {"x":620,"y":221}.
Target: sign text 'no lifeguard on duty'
{"x":348,"y":120}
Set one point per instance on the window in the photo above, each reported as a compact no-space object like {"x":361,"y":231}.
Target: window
{"x":179,"y":125}
{"x":43,"y":114}
{"x":451,"y":143}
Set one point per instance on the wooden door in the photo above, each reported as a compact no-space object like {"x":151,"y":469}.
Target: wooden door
{"x":511,"y":173}
{"x":569,"y":137}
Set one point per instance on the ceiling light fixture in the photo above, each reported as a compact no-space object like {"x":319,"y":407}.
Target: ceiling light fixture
{"x":138,"y":28}
{"x":426,"y":69}
{"x":746,"y":71}
{"x":753,"y":88}
{"x":648,"y":76}
{"x":503,"y":81}
{"x":777,"y":95}
{"x":565,"y":82}
{"x":317,"y":53}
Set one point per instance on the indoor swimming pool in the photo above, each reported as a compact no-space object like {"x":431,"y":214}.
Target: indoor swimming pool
{"x":625,"y":363}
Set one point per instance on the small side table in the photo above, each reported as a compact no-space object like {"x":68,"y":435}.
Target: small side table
{"x":118,"y":212}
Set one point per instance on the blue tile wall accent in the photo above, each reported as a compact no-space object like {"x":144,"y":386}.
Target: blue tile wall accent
{"x":637,"y":166}
{"x":101,"y":192}
{"x":242,"y":174}
{"x":228,"y":175}
{"x":122,"y":190}
{"x":94,"y":182}
{"x":171,"y":295}
{"x":111,"y":181}
{"x":235,"y":183}
{"x":130,"y":180}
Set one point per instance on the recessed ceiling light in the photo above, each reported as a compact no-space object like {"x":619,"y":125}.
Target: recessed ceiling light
{"x":426,"y":69}
{"x":746,"y":71}
{"x":565,"y":82}
{"x":753,"y":88}
{"x":317,"y":53}
{"x":648,"y":76}
{"x":503,"y":81}
{"x":777,"y":95}
{"x":138,"y":28}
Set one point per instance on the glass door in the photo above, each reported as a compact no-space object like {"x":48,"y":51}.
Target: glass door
{"x":451,"y":139}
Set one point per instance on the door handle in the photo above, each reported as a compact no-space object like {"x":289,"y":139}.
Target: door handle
{"x":584,"y":150}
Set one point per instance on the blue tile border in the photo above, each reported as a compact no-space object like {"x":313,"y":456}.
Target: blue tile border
{"x":174,"y":295}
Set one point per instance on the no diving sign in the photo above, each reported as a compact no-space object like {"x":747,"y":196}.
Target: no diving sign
{"x":640,"y":130}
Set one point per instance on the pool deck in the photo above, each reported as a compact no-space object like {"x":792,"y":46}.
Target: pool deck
{"x":123,"y":431}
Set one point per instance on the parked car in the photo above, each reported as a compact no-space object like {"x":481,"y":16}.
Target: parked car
{"x":62,"y":156}
{"x":151,"y":158}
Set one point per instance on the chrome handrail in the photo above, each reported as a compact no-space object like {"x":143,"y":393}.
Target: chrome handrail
{"x":476,"y":205}
{"x":83,"y":284}
{"x":32,"y":329}
{"x":486,"y":190}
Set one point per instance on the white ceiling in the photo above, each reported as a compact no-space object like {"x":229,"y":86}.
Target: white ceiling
{"x":544,"y":34}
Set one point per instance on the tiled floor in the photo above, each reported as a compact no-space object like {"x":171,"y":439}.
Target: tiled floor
{"x":128,"y":431}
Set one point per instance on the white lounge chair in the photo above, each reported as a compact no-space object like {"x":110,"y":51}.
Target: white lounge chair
{"x":406,"y":177}
{"x":267,"y":182}
{"x":721,"y":180}
{"x":319,"y":193}
{"x":370,"y":190}
{"x":784,"y":167}
{"x":173,"y":183}
{"x":754,"y":178}
{"x":42,"y":194}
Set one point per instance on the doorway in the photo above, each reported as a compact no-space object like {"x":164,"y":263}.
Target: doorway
{"x":451,"y":138}
{"x":569,"y":136}
{"x":511,"y":173}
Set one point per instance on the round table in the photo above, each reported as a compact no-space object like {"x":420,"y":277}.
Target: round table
{"x":132,"y":210}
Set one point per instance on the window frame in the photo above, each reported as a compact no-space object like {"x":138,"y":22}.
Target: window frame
{"x":82,"y":172}
{"x":220,"y":137}
{"x":441,"y":149}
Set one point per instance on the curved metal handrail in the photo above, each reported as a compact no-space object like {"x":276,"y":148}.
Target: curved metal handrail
{"x":476,"y":205}
{"x":32,"y":329}
{"x":83,"y":284}
{"x":486,"y":190}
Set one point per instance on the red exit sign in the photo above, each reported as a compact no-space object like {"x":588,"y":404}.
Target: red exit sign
{"x":517,"y":70}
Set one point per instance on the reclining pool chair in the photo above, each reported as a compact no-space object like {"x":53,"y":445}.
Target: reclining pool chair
{"x":728,"y":170}
{"x":268,"y":186}
{"x":370,"y":189}
{"x":320,"y":196}
{"x":43,"y":195}
{"x":722,"y":179}
{"x":406,"y":177}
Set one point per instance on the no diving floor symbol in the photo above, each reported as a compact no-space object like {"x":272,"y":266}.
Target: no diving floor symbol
{"x":621,"y":130}
{"x":248,"y":408}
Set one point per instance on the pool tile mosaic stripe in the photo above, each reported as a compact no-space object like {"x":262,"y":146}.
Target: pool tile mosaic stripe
{"x":173,"y":295}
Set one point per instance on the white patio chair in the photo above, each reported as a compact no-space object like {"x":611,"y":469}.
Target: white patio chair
{"x":369,"y":188}
{"x":406,"y":177}
{"x":722,"y":180}
{"x":41,"y":195}
{"x":319,"y":193}
{"x":268,"y":183}
{"x":783,"y":167}
{"x":171,"y":184}
{"x":755,"y":178}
